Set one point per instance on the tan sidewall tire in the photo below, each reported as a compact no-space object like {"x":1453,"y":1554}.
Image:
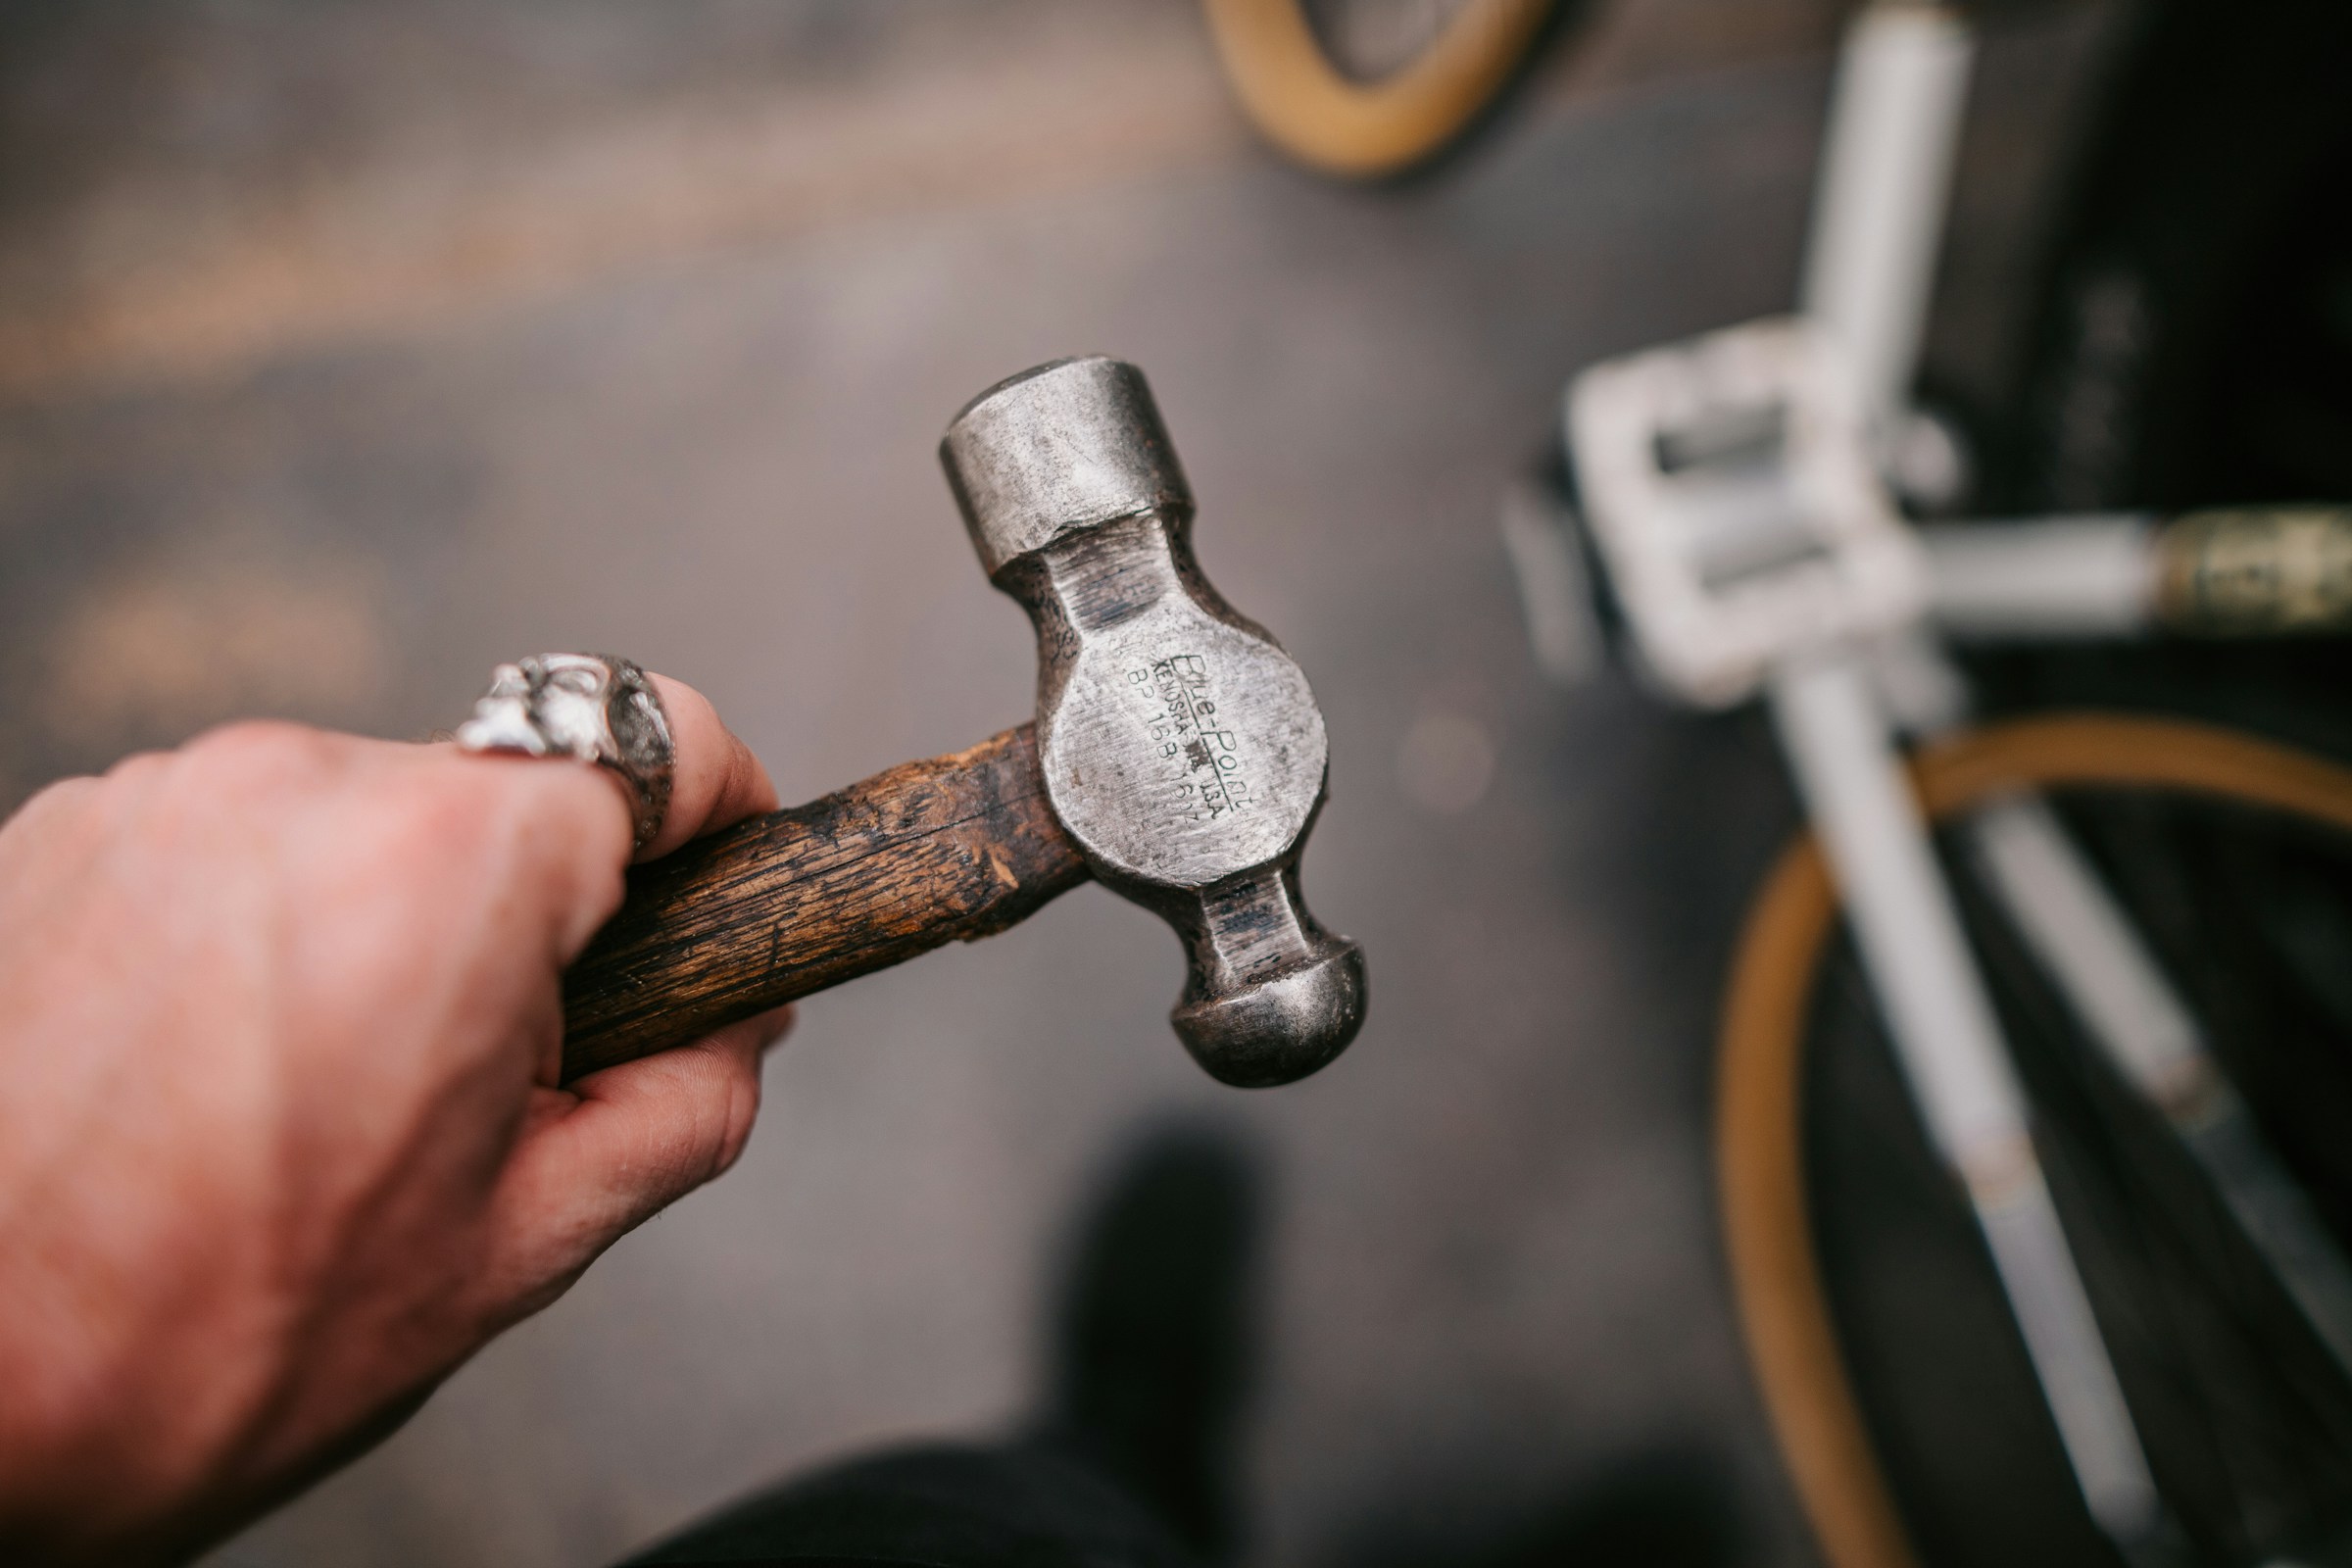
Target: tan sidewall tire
{"x":1783,"y":1310}
{"x":1365,"y":129}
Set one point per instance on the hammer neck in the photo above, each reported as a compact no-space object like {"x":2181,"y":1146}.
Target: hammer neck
{"x":1112,"y":574}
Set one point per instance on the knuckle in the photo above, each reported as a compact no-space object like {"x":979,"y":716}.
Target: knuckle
{"x":59,"y":814}
{"x":139,"y":767}
{"x":263,"y":743}
{"x":66,"y":795}
{"x":256,"y":762}
{"x":245,"y":779}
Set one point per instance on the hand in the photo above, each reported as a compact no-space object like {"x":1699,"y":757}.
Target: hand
{"x":280,"y":1144}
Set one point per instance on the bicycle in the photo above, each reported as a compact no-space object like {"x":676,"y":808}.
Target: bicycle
{"x":1736,"y":505}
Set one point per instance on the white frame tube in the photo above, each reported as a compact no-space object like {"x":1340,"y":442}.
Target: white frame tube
{"x":2125,"y":1004}
{"x":2050,"y":579}
{"x":1886,"y":179}
{"x":1949,"y":1048}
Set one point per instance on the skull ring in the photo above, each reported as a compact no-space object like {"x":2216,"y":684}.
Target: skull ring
{"x":589,"y":707}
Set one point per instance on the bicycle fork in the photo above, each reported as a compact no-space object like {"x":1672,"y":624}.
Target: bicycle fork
{"x":1841,"y":749}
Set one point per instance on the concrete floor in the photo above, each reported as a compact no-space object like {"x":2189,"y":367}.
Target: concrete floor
{"x":413,"y":340}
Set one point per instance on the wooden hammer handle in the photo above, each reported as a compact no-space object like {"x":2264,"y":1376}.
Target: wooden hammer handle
{"x":951,"y":849}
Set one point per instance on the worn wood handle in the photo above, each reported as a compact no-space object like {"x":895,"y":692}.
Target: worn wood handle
{"x":951,"y":849}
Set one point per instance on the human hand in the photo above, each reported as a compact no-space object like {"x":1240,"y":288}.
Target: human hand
{"x":281,"y":1140}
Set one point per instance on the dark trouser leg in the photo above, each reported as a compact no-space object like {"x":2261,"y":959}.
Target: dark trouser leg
{"x":1131,"y":1459}
{"x":1019,"y":1505}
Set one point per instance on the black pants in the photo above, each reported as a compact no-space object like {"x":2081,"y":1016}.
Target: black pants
{"x":1020,"y":1505}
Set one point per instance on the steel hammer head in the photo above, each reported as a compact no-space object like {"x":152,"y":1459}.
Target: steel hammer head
{"x":1180,"y":745}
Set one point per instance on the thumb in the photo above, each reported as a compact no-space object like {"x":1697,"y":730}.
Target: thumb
{"x":599,"y":1158}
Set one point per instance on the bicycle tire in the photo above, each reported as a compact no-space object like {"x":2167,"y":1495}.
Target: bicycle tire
{"x":1779,"y":1287}
{"x":1323,"y":118}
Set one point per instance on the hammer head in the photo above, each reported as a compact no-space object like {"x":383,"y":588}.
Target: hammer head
{"x":1180,"y":745}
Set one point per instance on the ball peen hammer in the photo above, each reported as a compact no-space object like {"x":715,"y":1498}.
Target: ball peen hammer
{"x":1177,"y":756}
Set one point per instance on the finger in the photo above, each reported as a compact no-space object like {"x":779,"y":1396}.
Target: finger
{"x":600,"y":1158}
{"x":575,"y":843}
{"x":717,"y":780}
{"x":547,"y":835}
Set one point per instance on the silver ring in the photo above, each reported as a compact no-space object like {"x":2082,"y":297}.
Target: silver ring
{"x":589,"y":707}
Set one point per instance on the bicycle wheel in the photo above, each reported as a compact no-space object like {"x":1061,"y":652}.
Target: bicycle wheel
{"x":1895,"y":1377}
{"x":1322,"y":116}
{"x":2192,"y":341}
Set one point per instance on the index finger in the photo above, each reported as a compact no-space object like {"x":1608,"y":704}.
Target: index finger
{"x":717,"y":781}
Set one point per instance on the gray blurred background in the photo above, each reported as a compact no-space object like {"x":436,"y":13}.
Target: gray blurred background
{"x":348,"y":348}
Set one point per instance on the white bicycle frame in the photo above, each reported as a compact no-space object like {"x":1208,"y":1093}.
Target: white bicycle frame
{"x":1733,"y":488}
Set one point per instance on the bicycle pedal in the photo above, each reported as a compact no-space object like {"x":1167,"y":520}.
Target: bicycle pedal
{"x":1731,"y":495}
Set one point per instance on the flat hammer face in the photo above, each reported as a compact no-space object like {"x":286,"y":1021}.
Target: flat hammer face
{"x":1180,"y":746}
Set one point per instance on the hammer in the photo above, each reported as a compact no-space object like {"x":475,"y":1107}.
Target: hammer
{"x":1177,"y":758}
